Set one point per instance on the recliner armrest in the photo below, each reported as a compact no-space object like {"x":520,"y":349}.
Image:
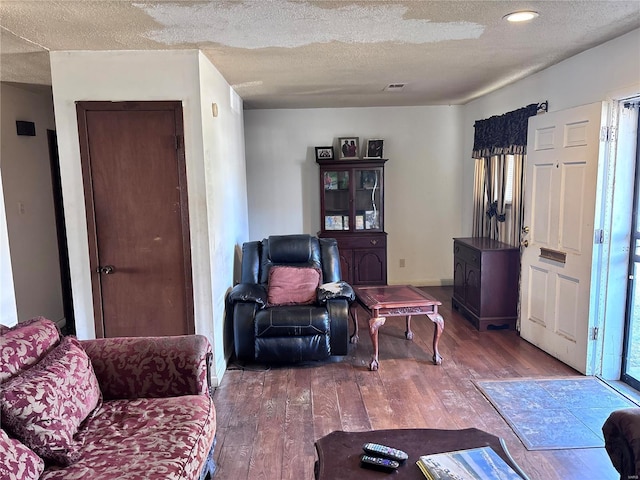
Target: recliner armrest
{"x":333,"y":290}
{"x":248,"y":292}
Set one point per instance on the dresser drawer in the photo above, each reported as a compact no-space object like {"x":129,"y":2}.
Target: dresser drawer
{"x":467,"y":254}
{"x":375,"y":240}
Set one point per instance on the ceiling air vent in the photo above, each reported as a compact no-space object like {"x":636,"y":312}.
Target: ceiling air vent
{"x":394,"y":87}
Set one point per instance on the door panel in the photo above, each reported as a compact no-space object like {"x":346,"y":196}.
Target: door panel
{"x":541,"y":211}
{"x":560,"y":192}
{"x":136,"y":213}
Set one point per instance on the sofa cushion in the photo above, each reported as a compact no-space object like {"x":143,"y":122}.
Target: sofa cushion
{"x":293,"y":285}
{"x":148,"y":438}
{"x":18,"y":462}
{"x":45,"y":405}
{"x":25,"y":345}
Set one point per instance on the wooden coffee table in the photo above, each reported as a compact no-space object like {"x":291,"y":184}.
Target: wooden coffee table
{"x":396,"y":301}
{"x":339,"y":452}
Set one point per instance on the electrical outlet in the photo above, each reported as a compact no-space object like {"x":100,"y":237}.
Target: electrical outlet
{"x":402,"y":263}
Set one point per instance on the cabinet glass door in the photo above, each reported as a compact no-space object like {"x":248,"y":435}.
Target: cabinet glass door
{"x":368,"y":214}
{"x":336,"y":200}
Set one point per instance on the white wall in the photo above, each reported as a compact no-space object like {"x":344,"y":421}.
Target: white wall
{"x":423,"y":210}
{"x":224,"y":175}
{"x":183,"y":75}
{"x":28,"y":206}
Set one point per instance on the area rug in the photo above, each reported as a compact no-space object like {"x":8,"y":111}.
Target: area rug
{"x":555,"y":413}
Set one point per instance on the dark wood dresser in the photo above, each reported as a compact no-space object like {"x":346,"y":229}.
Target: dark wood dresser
{"x":485,"y":282}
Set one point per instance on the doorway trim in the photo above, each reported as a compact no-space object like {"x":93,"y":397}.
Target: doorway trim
{"x":613,"y":264}
{"x":82,"y":108}
{"x":61,"y":233}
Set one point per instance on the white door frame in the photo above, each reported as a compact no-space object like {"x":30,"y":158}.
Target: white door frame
{"x":614,"y":208}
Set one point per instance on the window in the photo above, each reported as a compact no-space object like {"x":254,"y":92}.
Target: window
{"x":508,"y":188}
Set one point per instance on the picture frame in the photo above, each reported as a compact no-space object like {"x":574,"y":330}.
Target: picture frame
{"x":348,"y":148}
{"x":343,"y":180}
{"x":371,"y":220}
{"x":369,"y":179}
{"x":330,"y":180}
{"x":333,"y":222}
{"x":324,"y":153}
{"x":374,"y":148}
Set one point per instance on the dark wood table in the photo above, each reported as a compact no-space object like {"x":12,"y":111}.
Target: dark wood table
{"x":395,"y":301}
{"x":339,"y":452}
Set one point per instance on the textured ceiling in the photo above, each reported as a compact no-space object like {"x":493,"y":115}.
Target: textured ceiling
{"x":304,"y":54}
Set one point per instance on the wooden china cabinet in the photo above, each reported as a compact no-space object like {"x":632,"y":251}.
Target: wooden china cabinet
{"x":352,"y":212}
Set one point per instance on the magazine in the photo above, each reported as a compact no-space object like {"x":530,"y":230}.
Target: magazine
{"x":473,"y":464}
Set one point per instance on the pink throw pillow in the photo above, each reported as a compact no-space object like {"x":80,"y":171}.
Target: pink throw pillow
{"x":45,"y":405}
{"x":25,"y":344}
{"x":293,"y":285}
{"x":18,"y":462}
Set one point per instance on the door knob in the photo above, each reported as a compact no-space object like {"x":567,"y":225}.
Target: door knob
{"x":107,"y":269}
{"x":525,"y":243}
{"x":525,"y":229}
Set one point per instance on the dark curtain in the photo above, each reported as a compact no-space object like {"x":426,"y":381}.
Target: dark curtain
{"x":503,"y":134}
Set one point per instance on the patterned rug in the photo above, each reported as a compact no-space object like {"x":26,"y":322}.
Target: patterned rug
{"x":558,"y":413}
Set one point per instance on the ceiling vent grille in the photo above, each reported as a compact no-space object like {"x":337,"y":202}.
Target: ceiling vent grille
{"x":395,"y":87}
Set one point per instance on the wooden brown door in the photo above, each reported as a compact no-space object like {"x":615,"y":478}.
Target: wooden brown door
{"x":136,"y":201}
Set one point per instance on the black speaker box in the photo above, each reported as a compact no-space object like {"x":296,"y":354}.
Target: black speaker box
{"x":26,"y":128}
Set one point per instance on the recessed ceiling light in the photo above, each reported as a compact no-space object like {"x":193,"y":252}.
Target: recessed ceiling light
{"x":522,"y":16}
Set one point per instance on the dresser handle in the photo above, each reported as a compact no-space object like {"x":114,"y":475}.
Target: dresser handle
{"x":374,"y":242}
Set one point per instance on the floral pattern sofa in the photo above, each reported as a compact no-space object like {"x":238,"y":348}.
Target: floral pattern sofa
{"x":114,"y":408}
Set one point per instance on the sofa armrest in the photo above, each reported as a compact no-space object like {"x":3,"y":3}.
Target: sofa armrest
{"x":150,"y":367}
{"x":248,"y":292}
{"x":335,"y":290}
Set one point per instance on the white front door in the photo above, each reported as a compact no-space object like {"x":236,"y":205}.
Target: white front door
{"x":560,"y":200}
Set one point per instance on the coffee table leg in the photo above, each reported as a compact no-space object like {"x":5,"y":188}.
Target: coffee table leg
{"x":354,"y":316}
{"x":438,"y":323}
{"x":408,"y":334}
{"x":374,"y":324}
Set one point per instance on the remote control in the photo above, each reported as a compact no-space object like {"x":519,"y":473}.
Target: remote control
{"x":378,"y":450}
{"x":377,"y":463}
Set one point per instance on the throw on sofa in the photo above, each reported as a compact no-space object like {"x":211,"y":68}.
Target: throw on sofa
{"x":291,"y":305}
{"x":126,"y":408}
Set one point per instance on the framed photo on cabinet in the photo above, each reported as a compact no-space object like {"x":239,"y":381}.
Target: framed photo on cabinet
{"x":374,"y":148}
{"x":324,"y":153}
{"x":348,"y":148}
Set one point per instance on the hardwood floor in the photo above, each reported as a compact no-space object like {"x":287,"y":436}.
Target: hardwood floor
{"x":269,"y":419}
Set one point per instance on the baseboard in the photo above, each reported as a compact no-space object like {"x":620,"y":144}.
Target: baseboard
{"x":443,"y":282}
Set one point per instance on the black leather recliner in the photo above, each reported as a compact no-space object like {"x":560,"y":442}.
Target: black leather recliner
{"x":285,"y":333}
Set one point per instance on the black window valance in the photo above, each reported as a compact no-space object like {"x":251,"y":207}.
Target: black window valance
{"x":503,"y":134}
